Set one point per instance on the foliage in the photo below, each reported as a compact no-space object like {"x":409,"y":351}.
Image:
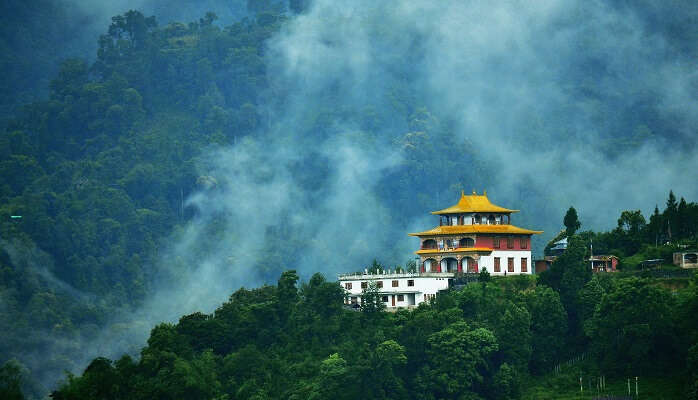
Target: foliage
{"x":571,"y":222}
{"x":480,"y":342}
{"x":10,"y":381}
{"x":100,"y":167}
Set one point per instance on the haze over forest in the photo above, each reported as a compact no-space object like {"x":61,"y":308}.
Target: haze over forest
{"x":176,"y":159}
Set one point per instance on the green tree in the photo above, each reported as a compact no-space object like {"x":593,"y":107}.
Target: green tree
{"x":333,"y":381}
{"x":548,"y":328}
{"x":513,"y":331}
{"x":383,"y":377}
{"x":371,"y":301}
{"x":671,"y":215}
{"x":11,"y":381}
{"x":567,"y":275}
{"x":287,"y":293}
{"x":692,"y":367}
{"x":631,"y":338}
{"x":631,"y":231}
{"x":571,"y":222}
{"x":655,"y":226}
{"x":683,"y":220}
{"x":458,"y":361}
{"x":507,"y":383}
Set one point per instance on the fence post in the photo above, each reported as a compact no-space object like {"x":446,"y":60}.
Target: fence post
{"x":628,"y":386}
{"x":636,"y":391}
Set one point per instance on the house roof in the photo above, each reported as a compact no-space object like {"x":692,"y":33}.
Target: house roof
{"x":473,"y":203}
{"x":457,"y":229}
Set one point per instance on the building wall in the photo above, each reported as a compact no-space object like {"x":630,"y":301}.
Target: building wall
{"x":686,"y":259}
{"x":488,"y":241}
{"x":488,"y":261}
{"x":541,"y":265}
{"x":423,"y":285}
{"x":484,"y":241}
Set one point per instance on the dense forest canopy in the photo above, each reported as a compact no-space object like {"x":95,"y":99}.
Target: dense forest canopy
{"x":155,"y":163}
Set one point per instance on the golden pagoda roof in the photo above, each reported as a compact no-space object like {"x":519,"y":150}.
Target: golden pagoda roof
{"x":484,"y":228}
{"x":474,"y":203}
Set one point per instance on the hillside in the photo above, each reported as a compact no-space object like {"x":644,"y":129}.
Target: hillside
{"x":490,"y":340}
{"x":181,"y":161}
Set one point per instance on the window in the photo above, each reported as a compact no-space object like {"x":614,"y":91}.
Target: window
{"x":497,"y":268}
{"x":385,"y":299}
{"x":364,"y":285}
{"x":401,"y":297}
{"x":523,"y":242}
{"x":347,"y":285}
{"x":524,"y":265}
{"x":467,"y":242}
{"x":495,"y":242}
{"x":429,"y":244}
{"x":379,"y":284}
{"x":510,"y":242}
{"x":410,"y":282}
{"x":510,"y":264}
{"x":395,"y":283}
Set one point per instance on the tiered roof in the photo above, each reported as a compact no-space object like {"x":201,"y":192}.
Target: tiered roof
{"x":483,"y":228}
{"x":474,"y":203}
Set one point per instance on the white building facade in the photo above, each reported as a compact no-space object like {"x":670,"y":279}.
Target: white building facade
{"x":396,"y":289}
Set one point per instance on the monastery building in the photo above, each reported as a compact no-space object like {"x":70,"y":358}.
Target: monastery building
{"x":472,"y":234}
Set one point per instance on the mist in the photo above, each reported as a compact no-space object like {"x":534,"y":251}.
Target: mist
{"x":587,"y":103}
{"x":505,"y":79}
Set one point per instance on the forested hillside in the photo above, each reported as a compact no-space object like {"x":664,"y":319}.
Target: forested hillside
{"x":487,"y":341}
{"x":100,"y":173}
{"x":183,"y":160}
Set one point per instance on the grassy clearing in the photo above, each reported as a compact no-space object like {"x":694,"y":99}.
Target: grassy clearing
{"x":565,"y":386}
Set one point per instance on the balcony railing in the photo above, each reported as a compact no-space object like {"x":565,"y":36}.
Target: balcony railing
{"x":387,"y":274}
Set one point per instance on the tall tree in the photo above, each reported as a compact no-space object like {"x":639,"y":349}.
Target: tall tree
{"x":682,"y":220}
{"x":287,"y":293}
{"x":571,"y":222}
{"x":548,"y":327}
{"x":670,"y":214}
{"x":655,"y":226}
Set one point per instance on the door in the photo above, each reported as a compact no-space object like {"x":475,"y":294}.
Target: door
{"x":393,"y":300}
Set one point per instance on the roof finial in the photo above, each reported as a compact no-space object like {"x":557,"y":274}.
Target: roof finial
{"x":462,"y":193}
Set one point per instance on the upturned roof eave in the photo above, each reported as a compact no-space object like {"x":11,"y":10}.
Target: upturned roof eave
{"x":514,"y":230}
{"x":463,"y":211}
